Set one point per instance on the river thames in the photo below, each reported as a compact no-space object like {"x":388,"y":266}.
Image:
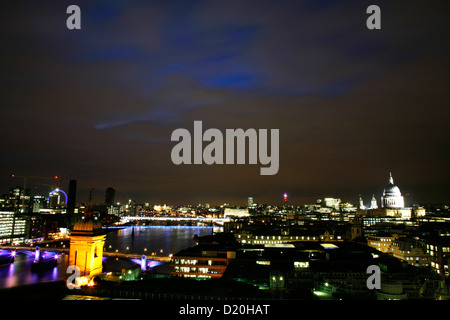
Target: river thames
{"x":159,"y":240}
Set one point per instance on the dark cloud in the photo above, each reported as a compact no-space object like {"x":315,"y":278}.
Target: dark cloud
{"x":99,"y":104}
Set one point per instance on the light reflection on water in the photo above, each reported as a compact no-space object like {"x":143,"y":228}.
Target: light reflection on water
{"x":19,"y":273}
{"x":170,"y":239}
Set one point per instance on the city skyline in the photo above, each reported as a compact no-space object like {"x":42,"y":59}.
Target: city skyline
{"x":108,"y":196}
{"x":99,"y":104}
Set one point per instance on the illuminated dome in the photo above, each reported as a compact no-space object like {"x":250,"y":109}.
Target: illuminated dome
{"x":392,"y":197}
{"x":392,"y":190}
{"x":87,"y":226}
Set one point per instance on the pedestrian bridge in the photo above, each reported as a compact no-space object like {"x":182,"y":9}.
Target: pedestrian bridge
{"x":192,"y":219}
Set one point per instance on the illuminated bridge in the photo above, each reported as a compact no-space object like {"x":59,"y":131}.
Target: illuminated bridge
{"x":55,"y":252}
{"x":197,"y":219}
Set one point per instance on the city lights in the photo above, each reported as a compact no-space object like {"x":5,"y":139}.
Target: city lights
{"x":225,"y":157}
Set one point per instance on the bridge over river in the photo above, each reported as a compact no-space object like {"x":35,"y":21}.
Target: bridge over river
{"x":28,"y":249}
{"x":180,"y":219}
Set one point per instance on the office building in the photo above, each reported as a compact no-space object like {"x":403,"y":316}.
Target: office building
{"x":439,"y":250}
{"x":109,"y":196}
{"x":12,"y":227}
{"x":411,"y":251}
{"x":201,"y":261}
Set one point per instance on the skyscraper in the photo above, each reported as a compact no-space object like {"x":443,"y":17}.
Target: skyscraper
{"x":109,"y":196}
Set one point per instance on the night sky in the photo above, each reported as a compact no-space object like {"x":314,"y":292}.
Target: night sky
{"x":99,"y":104}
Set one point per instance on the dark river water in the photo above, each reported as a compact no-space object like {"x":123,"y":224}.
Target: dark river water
{"x":161,"y":240}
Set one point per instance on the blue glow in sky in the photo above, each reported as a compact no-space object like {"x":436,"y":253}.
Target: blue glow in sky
{"x":99,"y":104}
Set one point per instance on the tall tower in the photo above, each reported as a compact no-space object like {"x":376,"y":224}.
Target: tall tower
{"x":361,"y":203}
{"x":71,"y":200}
{"x":86,"y":243}
{"x":356,"y":229}
{"x":109,"y":196}
{"x":373,"y":203}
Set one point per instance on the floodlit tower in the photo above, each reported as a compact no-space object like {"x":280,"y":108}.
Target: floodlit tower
{"x":86,"y":243}
{"x":249,"y":202}
{"x":361,"y":203}
{"x":373,"y":203}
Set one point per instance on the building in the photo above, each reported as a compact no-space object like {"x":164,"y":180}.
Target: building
{"x":201,"y":261}
{"x":286,"y":235}
{"x":391,"y":290}
{"x":392,"y":204}
{"x":392,"y":197}
{"x":239,"y":213}
{"x":38,"y":203}
{"x":439,"y":250}
{"x":71,"y":201}
{"x":381,"y":241}
{"x":332,"y":203}
{"x":361,"y":204}
{"x":373,"y":203}
{"x":86,"y":244}
{"x":118,"y":269}
{"x":411,"y":251}
{"x":110,"y":195}
{"x":16,"y":200}
{"x":13,"y":227}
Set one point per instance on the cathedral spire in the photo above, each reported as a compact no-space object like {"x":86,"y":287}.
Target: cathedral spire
{"x":373,"y":203}
{"x":361,"y":203}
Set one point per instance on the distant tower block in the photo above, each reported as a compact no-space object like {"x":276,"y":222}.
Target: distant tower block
{"x":71,"y":197}
{"x":285,"y":197}
{"x":249,"y":202}
{"x":110,"y":194}
{"x":356,"y":229}
{"x":86,"y":244}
